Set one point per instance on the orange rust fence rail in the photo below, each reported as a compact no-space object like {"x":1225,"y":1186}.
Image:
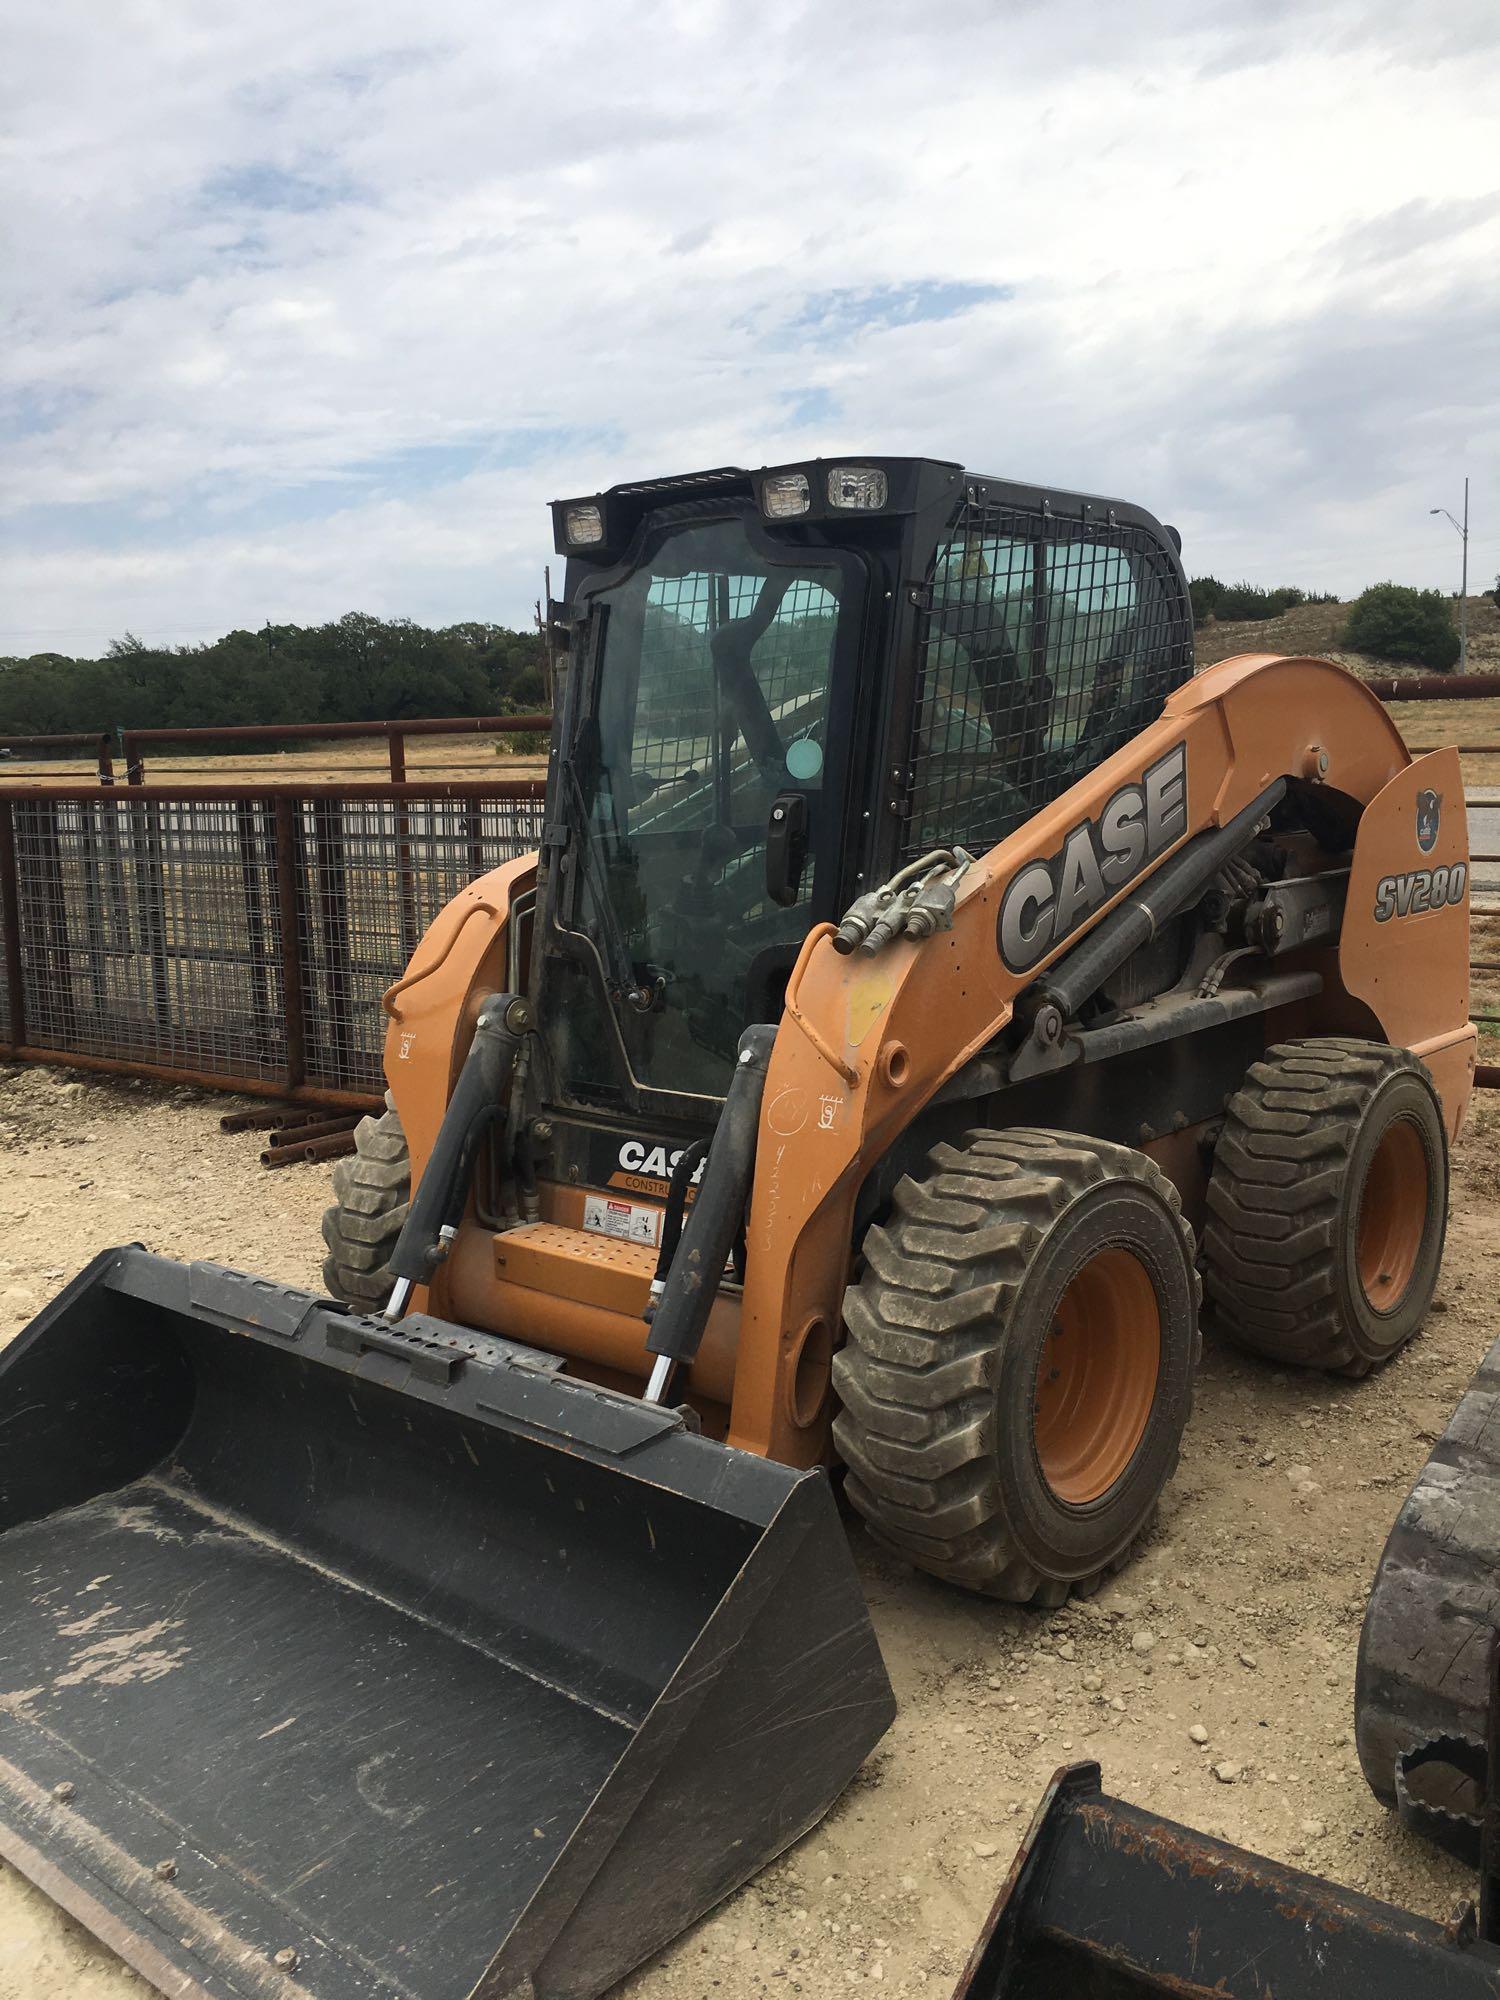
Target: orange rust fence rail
{"x":134,"y":741}
{"x":237,"y":936}
{"x":1435,"y":687}
{"x":97,"y":743}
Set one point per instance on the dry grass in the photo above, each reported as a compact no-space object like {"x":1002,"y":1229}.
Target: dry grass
{"x":1315,"y":628}
{"x":1431,"y":725}
{"x":1426,"y":725}
{"x":469,"y":759}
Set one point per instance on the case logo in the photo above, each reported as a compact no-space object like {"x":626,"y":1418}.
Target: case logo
{"x":1046,"y":901}
{"x":654,"y":1163}
{"x":1429,"y":818}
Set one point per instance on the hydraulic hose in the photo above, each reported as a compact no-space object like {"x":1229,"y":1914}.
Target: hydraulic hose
{"x":439,"y":1198}
{"x":458,"y":1199}
{"x":523,"y":1165}
{"x":709,"y":1232}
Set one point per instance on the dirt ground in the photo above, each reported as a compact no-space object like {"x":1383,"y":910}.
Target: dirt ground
{"x":1240,"y":1617}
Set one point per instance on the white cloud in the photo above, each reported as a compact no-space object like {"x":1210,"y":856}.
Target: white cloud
{"x":314,"y":309}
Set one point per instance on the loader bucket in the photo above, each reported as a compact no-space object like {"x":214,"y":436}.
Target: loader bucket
{"x":1107,"y":1902}
{"x":347,"y":1659}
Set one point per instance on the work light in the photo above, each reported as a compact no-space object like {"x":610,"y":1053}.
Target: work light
{"x":861,"y":486}
{"x":584,"y":525}
{"x":786,"y":495}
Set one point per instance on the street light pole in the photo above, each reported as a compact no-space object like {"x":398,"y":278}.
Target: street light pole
{"x":1463,"y":595}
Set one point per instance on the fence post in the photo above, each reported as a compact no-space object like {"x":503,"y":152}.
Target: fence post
{"x":406,"y":880}
{"x":288,"y":880}
{"x":397,"y":744}
{"x":95,"y":922}
{"x":56,"y":966}
{"x":333,"y":912}
{"x":249,"y":827}
{"x":151,"y":909}
{"x":10,"y":928}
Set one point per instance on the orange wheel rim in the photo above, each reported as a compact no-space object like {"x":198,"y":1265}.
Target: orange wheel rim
{"x":1096,"y":1377}
{"x":1393,"y":1206}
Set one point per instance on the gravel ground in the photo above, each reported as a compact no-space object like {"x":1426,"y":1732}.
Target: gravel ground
{"x":1213,"y":1679}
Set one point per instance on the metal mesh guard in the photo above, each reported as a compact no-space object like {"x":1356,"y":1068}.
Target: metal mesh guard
{"x":1044,"y":644}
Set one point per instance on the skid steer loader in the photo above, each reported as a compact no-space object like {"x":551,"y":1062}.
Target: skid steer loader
{"x":918,"y":966}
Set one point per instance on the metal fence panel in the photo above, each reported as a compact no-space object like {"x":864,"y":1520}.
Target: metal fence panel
{"x":148,"y":931}
{"x":374,"y":875}
{"x":230,"y":936}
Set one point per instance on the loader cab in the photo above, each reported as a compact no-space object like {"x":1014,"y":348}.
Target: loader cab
{"x":781,"y":685}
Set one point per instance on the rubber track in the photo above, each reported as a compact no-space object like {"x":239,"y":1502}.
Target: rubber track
{"x":1424,"y":1650}
{"x":372,"y":1190}
{"x":915,"y":1377}
{"x":1269,"y":1262}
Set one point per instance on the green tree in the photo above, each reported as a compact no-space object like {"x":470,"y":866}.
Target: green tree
{"x":1394,"y":622}
{"x":1233,"y":602}
{"x":353,"y":669}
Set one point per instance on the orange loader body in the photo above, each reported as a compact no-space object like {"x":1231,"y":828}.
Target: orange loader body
{"x":863,"y":1045}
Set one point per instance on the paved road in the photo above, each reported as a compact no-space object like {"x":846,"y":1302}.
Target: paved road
{"x":1484,"y":827}
{"x":1484,"y":848}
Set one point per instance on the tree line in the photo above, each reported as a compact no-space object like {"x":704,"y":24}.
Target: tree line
{"x":364,"y":669}
{"x":354,"y":669}
{"x":1232,"y":603}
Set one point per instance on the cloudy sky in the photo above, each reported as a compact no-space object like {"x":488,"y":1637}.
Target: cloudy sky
{"x":309,"y":308}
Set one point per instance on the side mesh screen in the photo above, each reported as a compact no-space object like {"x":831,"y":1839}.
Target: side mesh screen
{"x":1045,"y":645}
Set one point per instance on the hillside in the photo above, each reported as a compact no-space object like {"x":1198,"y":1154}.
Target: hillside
{"x":1314,"y":628}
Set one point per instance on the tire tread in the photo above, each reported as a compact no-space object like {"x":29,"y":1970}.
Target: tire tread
{"x":372,"y":1191}
{"x":925,"y":1323}
{"x":1270,"y":1250}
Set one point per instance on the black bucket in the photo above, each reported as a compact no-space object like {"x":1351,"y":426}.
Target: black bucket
{"x":1108,"y":1902}
{"x":351,"y":1660}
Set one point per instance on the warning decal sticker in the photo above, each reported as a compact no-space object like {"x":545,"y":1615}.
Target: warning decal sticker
{"x":631,"y":1221}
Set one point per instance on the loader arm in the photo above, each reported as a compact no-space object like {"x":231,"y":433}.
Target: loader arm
{"x":471,"y":949}
{"x":867,"y":1042}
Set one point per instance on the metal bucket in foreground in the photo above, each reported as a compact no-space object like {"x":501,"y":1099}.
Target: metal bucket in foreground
{"x":344,"y":1659}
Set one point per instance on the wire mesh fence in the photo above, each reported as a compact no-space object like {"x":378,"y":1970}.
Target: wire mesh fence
{"x":232,"y":936}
